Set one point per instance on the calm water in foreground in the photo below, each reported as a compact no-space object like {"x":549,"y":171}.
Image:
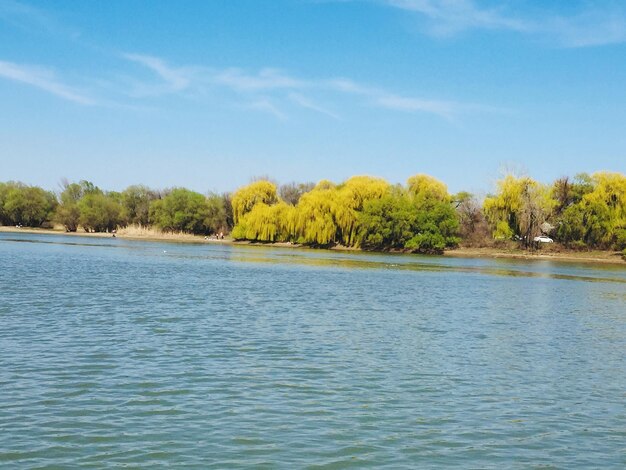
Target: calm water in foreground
{"x":121,"y":353}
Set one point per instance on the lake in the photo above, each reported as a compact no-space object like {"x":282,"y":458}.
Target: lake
{"x":143,"y":354}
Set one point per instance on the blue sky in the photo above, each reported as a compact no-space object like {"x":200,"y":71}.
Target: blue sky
{"x":207,"y":94}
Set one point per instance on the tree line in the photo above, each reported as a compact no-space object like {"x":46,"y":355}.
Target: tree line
{"x":584,"y":212}
{"x":84,"y":205}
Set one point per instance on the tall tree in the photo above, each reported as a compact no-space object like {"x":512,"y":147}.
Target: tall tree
{"x":27,"y":205}
{"x":136,"y":201}
{"x":68,"y":211}
{"x":182,"y":210}
{"x":292,"y":192}
{"x":246,"y":197}
{"x":100,"y":212}
{"x":518,"y":208}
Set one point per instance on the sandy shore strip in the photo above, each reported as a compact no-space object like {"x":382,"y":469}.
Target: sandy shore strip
{"x":551,"y":254}
{"x":594,"y":257}
{"x":146,"y":235}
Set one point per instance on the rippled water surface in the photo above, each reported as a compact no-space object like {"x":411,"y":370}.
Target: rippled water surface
{"x":138,"y":354}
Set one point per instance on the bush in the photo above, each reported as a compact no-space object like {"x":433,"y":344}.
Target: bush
{"x":432,"y":243}
{"x":186,"y":211}
{"x":577,"y":245}
{"x":620,"y":239}
{"x":100,"y":213}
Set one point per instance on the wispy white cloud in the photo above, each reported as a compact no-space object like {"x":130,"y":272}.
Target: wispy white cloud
{"x":589,"y":24}
{"x":44,"y":79}
{"x":22,"y":15}
{"x":308,"y":103}
{"x":268,"y":90}
{"x":400,"y":103}
{"x":588,"y":28}
{"x":394,"y":101}
{"x":32,"y":19}
{"x":173,"y":79}
{"x":451,"y":16}
{"x":267,"y":106}
{"x":265,"y":79}
{"x":263,"y":89}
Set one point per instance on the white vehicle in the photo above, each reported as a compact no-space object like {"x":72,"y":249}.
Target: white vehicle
{"x":543,"y":239}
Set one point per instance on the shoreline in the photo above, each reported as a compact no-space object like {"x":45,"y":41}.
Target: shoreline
{"x":568,"y":256}
{"x":562,"y":255}
{"x":164,"y":237}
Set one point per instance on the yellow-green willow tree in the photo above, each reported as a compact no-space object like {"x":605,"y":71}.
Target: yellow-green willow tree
{"x":428,"y":188}
{"x":518,"y":208}
{"x":329,"y":213}
{"x":247,"y":197}
{"x":266,"y":223}
{"x":601,"y":213}
{"x":314,"y":221}
{"x":351,"y":196}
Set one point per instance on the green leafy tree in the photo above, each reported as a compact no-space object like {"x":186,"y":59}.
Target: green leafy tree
{"x":68,"y":211}
{"x":217,"y":213}
{"x":27,"y":205}
{"x":388,"y":222}
{"x":182,"y":210}
{"x":227,"y":204}
{"x":419,"y":219}
{"x":436,"y":227}
{"x":136,"y":201}
{"x":100,"y":212}
{"x":4,"y":189}
{"x":571,"y":226}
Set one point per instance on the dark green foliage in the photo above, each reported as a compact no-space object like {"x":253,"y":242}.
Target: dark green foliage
{"x":100,"y":212}
{"x":184,"y":210}
{"x":620,"y":239}
{"x":427,"y":242}
{"x":217,"y":215}
{"x":388,"y":222}
{"x":436,"y":227}
{"x":567,"y":192}
{"x":136,"y":201}
{"x":571,"y":225}
{"x":228,"y":211}
{"x":4,"y":189}
{"x":29,"y":206}
{"x":68,"y":211}
{"x":401,"y":221}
